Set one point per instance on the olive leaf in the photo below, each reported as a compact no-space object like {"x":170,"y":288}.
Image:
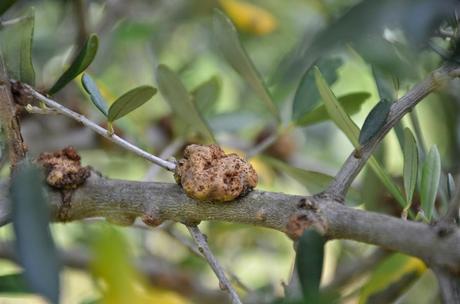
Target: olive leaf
{"x":91,"y":88}
{"x":13,"y":283}
{"x":351,"y":104}
{"x":16,"y":46}
{"x":5,"y":5}
{"x":130,"y":101}
{"x":307,"y":96}
{"x":429,"y":182}
{"x":229,"y":44}
{"x":309,"y":262}
{"x":410,"y":170}
{"x":34,"y":244}
{"x":206,"y":94}
{"x":175,"y":93}
{"x":351,"y":130}
{"x":79,"y":64}
{"x":374,"y":121}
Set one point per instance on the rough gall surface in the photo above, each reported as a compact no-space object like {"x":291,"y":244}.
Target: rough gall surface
{"x":206,"y":173}
{"x":63,"y":168}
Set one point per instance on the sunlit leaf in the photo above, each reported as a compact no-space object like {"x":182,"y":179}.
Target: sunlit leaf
{"x":249,"y":17}
{"x":410,"y":152}
{"x":309,"y":262}
{"x":13,"y":283}
{"x":16,"y":43}
{"x":226,"y":38}
{"x":374,"y":121}
{"x":130,"y":101}
{"x":351,"y":130}
{"x":307,"y":96}
{"x":181,"y":102}
{"x":79,"y":64}
{"x":351,"y":104}
{"x":34,"y":243}
{"x":112,"y":263}
{"x":429,"y":182}
{"x":5,"y":5}
{"x":91,"y":88}
{"x":206,"y":95}
{"x":390,"y":271}
{"x":313,"y":181}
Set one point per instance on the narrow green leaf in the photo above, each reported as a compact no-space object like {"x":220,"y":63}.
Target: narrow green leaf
{"x":313,"y":181}
{"x":206,"y":94}
{"x":91,"y":88}
{"x":410,"y":152}
{"x":34,"y":243}
{"x":13,"y":283}
{"x":16,"y":46}
{"x":335,"y":110}
{"x":181,"y":102}
{"x":351,"y":130}
{"x":307,"y":96}
{"x":309,"y":260}
{"x":5,"y":5}
{"x":450,"y":186}
{"x":130,"y":101}
{"x":429,"y":183}
{"x":228,"y":42}
{"x":351,"y":103}
{"x":80,"y":63}
{"x":374,"y":121}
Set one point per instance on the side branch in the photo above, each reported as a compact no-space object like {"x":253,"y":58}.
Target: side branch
{"x":123,"y":201}
{"x":101,"y":131}
{"x":8,"y":119}
{"x":353,"y":164}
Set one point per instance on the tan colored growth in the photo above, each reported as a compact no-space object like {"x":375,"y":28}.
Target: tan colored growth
{"x":63,"y":168}
{"x":206,"y":173}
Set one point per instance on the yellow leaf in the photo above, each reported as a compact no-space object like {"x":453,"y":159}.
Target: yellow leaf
{"x":249,"y":18}
{"x":390,"y":271}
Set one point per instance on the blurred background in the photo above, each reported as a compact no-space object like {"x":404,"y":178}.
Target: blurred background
{"x":139,"y":265}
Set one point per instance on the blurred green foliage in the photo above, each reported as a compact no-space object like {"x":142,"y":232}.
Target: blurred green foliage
{"x":237,"y":72}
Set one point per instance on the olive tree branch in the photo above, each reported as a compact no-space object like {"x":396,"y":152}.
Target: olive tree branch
{"x":354,"y":164}
{"x":291,"y":214}
{"x":8,"y":119}
{"x":224,"y":283}
{"x":101,"y":131}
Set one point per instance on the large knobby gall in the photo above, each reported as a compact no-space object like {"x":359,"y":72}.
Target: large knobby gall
{"x":206,"y":173}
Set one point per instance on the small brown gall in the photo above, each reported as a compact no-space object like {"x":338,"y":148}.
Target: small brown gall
{"x":206,"y":173}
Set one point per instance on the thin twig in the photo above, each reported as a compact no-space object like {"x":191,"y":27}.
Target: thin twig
{"x":449,"y":285}
{"x":263,"y":145}
{"x":224,"y":283}
{"x":9,"y":119}
{"x":353,"y":164}
{"x":169,"y":151}
{"x":101,"y":131}
{"x":173,"y":233}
